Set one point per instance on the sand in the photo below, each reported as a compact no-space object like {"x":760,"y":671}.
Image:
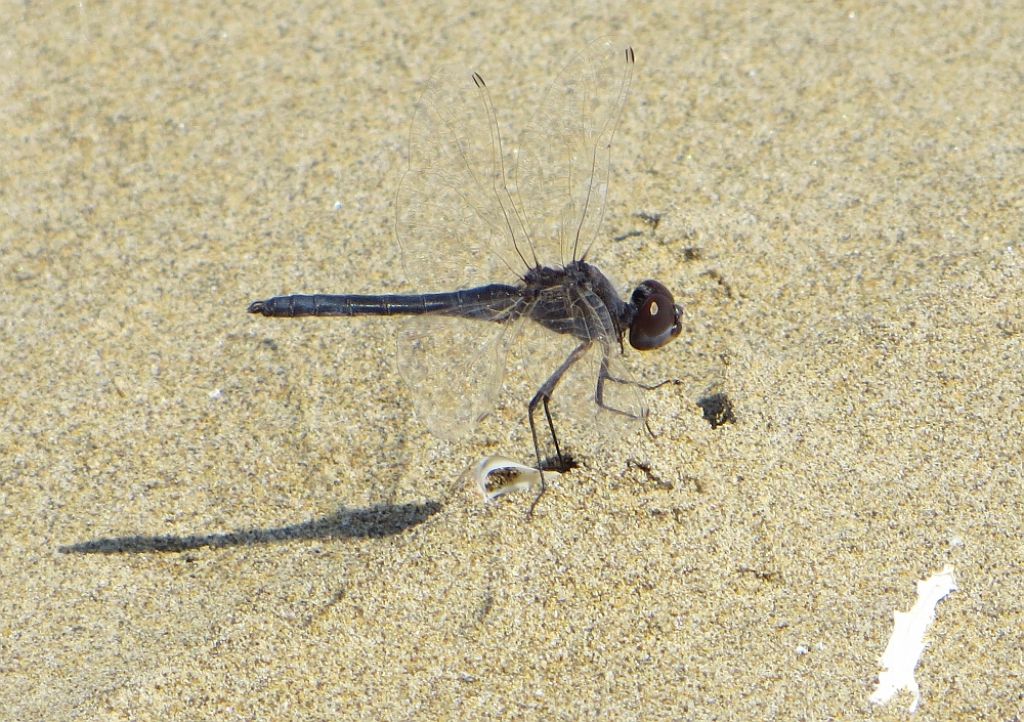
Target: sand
{"x":211,"y":515}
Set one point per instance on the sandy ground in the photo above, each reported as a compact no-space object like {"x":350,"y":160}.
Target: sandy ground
{"x":211,"y":515}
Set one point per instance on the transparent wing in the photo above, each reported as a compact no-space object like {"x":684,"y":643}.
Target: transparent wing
{"x":465,"y":218}
{"x":454,"y":369}
{"x":457,"y":228}
{"x":563,"y":167}
{"x":455,"y":221}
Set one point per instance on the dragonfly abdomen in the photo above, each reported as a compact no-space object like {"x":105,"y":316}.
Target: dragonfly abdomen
{"x":483,"y":302}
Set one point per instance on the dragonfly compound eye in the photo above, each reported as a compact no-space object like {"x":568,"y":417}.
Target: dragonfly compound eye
{"x":657,"y":317}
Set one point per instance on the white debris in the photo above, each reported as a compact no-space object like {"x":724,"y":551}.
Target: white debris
{"x":907,"y":641}
{"x":496,"y":476}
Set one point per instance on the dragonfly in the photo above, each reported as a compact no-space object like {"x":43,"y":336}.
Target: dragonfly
{"x":494,"y":239}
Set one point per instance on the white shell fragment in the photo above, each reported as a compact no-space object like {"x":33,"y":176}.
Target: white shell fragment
{"x":907,"y":641}
{"x":496,"y":476}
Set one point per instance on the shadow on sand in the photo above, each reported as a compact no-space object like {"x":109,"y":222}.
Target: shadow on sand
{"x":370,"y":523}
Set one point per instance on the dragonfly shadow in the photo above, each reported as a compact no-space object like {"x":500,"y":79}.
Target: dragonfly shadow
{"x":373,"y":522}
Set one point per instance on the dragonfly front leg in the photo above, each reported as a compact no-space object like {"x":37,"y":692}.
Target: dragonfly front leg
{"x":629,"y":382}
{"x":605,"y":375}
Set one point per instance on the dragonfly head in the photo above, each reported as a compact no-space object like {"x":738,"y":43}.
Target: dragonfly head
{"x":657,"y":317}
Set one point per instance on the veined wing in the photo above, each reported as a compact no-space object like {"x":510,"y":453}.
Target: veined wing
{"x":457,"y":228}
{"x":564,"y":163}
{"x":454,"y":366}
{"x":456,"y":222}
{"x":463,"y":220}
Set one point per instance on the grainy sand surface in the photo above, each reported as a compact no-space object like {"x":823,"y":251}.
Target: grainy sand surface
{"x":211,"y":515}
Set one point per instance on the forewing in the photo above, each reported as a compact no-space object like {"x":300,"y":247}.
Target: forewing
{"x":564,"y":163}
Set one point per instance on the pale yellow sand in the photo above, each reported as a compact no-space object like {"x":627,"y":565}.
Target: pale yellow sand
{"x":281,"y":543}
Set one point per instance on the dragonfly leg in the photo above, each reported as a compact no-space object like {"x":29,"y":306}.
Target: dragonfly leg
{"x":645,"y":387}
{"x":543,"y":396}
{"x":630,"y":382}
{"x":551,"y":428}
{"x":604,"y":375}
